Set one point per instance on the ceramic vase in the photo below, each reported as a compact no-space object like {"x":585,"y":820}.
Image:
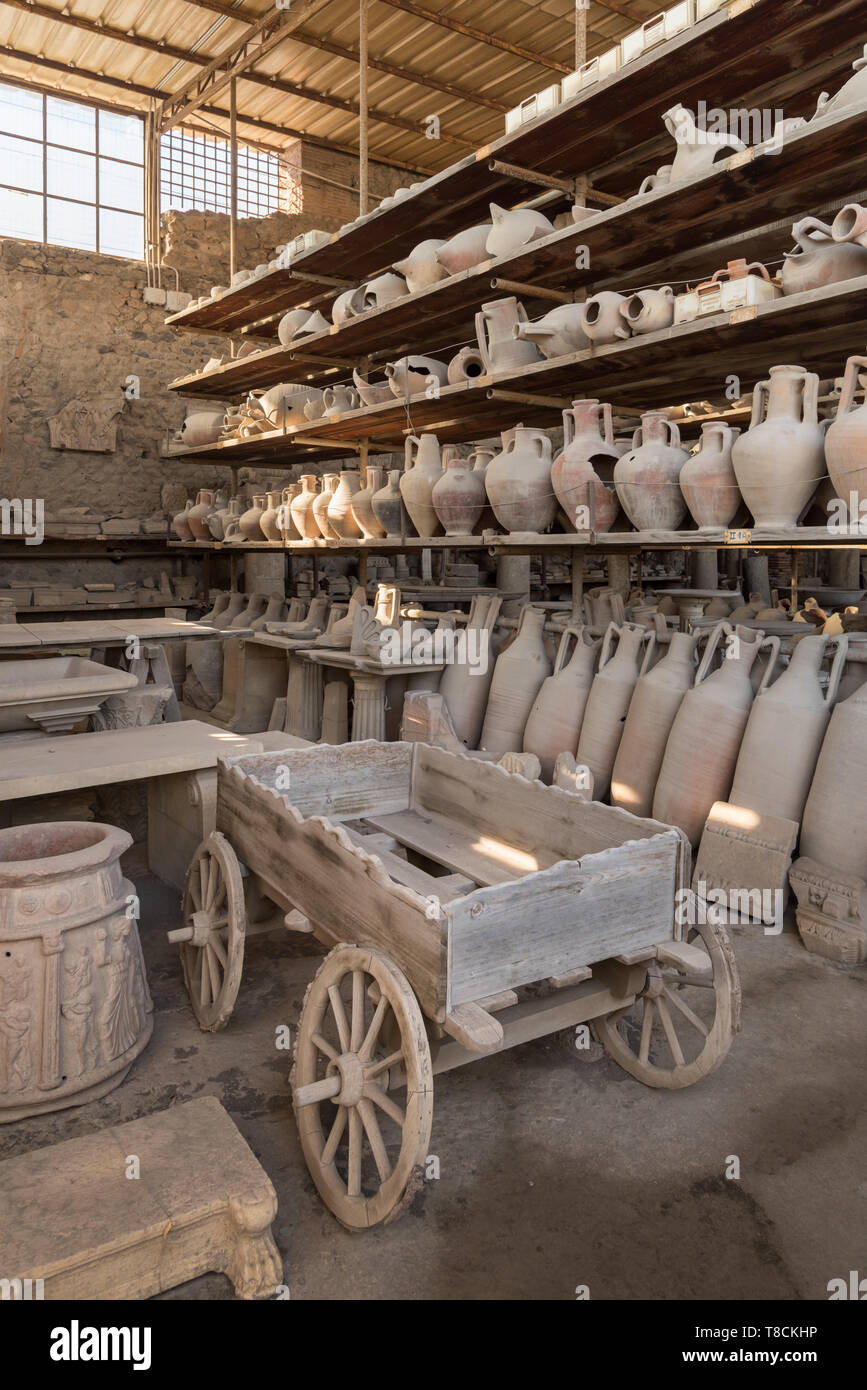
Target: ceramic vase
{"x":321,"y":503}
{"x":464,"y":687}
{"x":286,"y":526}
{"x":655,"y":701}
{"x":647,"y":478}
{"x":780,"y":461}
{"x":518,"y":675}
{"x":602,"y":320}
{"x":608,"y":701}
{"x":554,"y":722}
{"x":388,"y":505}
{"x":301,"y":509}
{"x":341,"y":517}
{"x":270,"y":517}
{"x":422,"y":470}
{"x":180,"y":524}
{"x":362,"y":504}
{"x":707,"y":479}
{"x":818,"y":260}
{"x":518,"y":481}
{"x":459,"y":497}
{"x":588,"y":450}
{"x":197,"y":515}
{"x":834,"y":829}
{"x":495,"y":329}
{"x":846,"y":440}
{"x":249,"y":522}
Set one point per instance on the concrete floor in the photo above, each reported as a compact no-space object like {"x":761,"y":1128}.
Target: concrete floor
{"x":555,"y":1172}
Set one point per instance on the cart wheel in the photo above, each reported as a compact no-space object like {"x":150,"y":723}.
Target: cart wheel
{"x":682,"y":1024}
{"x":212,"y":939}
{"x":365,"y":1152}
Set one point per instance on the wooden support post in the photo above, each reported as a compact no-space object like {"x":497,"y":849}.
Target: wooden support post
{"x":362,"y":108}
{"x":577,"y":584}
{"x":233,"y":178}
{"x":796,"y":565}
{"x":524,"y":398}
{"x":533,"y":291}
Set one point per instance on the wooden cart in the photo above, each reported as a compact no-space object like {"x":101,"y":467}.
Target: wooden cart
{"x":468,"y":910}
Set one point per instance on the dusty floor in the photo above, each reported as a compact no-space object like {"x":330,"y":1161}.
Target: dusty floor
{"x":554,"y":1172}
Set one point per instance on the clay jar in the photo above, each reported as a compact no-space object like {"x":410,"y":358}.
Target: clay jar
{"x":518,"y":675}
{"x":340,"y":514}
{"x":702,"y":748}
{"x":846,"y":440}
{"x":779,"y":462}
{"x":554,"y":722}
{"x":466,"y":249}
{"x":655,"y":701}
{"x":466,"y":365}
{"x":647,"y":477}
{"x":362,"y":504}
{"x":649,"y":310}
{"x":75,"y":1007}
{"x":422,"y":470}
{"x":180,"y":524}
{"x":588,"y":445}
{"x":518,"y":481}
{"x":388,"y":505}
{"x":818,"y":259}
{"x":321,"y":503}
{"x":608,"y":701}
{"x":513,"y":228}
{"x":285,"y":525}
{"x":301,"y":509}
{"x":269,"y":518}
{"x":465,"y":689}
{"x":559,"y":332}
{"x":834,"y":831}
{"x":707,"y":479}
{"x":602,"y":320}
{"x":197,"y":515}
{"x":495,"y":329}
{"x":421,"y":267}
{"x":784,"y":734}
{"x":459,"y":497}
{"x":249,"y":521}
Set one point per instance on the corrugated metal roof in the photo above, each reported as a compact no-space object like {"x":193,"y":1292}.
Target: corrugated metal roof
{"x":122,"y":65}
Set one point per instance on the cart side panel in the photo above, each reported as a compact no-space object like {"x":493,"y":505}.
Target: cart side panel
{"x":345,"y":892}
{"x":338,"y":780}
{"x":549,"y":821}
{"x":562,"y":918}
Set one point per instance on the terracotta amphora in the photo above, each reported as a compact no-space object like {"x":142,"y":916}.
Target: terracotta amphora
{"x":518,"y":481}
{"x":197,"y":515}
{"x":249,"y":521}
{"x":421,"y":267}
{"x":846,"y":440}
{"x":301,"y":508}
{"x":555,"y":720}
{"x":518,"y":675}
{"x":180,"y":524}
{"x":465,"y":249}
{"x":581,"y":473}
{"x":602,"y":319}
{"x":362,"y":504}
{"x":608,"y":701}
{"x":513,"y":228}
{"x":286,"y":526}
{"x":705,"y":739}
{"x":784,"y":733}
{"x":655,"y":702}
{"x":707,"y":479}
{"x":852,"y":93}
{"x":322,"y":502}
{"x":834,"y":829}
{"x":647,"y":478}
{"x":271,"y":516}
{"x":459,"y":497}
{"x":388,"y":505}
{"x":495,"y":329}
{"x":465,"y":687}
{"x":649,"y":310}
{"x":817,"y":259}
{"x":559,"y":332}
{"x":422,"y":469}
{"x":341,"y":517}
{"x":780,"y":460}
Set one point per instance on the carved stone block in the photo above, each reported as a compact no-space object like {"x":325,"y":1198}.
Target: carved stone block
{"x":87,"y":426}
{"x":831,"y":911}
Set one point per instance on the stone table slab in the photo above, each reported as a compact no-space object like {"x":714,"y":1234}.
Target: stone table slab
{"x":72,"y":1216}
{"x":103,"y":634}
{"x":59,"y":764}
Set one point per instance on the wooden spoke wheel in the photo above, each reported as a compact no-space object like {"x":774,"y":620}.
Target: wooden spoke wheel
{"x":212,"y":938}
{"x":683,"y":1022}
{"x":361,"y":1028}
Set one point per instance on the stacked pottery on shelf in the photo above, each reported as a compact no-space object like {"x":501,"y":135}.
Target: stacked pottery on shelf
{"x":518,"y":481}
{"x":465,"y":689}
{"x":301,"y":508}
{"x":362,"y":504}
{"x":341,"y":517}
{"x":707,"y":479}
{"x":320,"y":506}
{"x":655,"y":702}
{"x":608,"y":701}
{"x":555,"y":719}
{"x":388,"y":506}
{"x":780,"y":461}
{"x":581,"y":474}
{"x":520,"y":669}
{"x":422,"y":470}
{"x":647,"y":479}
{"x":459,"y":496}
{"x":249,"y":522}
{"x":846,"y":441}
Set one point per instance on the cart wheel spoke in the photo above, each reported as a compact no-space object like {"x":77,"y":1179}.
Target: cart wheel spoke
{"x":213,"y":959}
{"x":699,"y":1014}
{"x":367,"y":1159}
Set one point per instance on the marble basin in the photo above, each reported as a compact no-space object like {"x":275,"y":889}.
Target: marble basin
{"x":57,"y":693}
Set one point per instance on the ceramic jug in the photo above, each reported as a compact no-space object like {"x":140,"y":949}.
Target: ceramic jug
{"x":341,"y":517}
{"x":249,"y":521}
{"x":385,"y":289}
{"x":602,"y":320}
{"x":513,"y":228}
{"x":286,"y":526}
{"x":707,"y":479}
{"x":465,"y":250}
{"x":347,"y":305}
{"x":554,"y":722}
{"x":202,"y":427}
{"x":362,"y":504}
{"x":647,"y":478}
{"x":608,"y":701}
{"x":371,"y":392}
{"x":834,"y":829}
{"x":421,"y":471}
{"x":780,"y":460}
{"x":588,"y":451}
{"x":320,"y":506}
{"x":518,"y":481}
{"x":784,"y":733}
{"x":421,"y":267}
{"x":337,"y":399}
{"x":459,"y":497}
{"x":495,"y":330}
{"x":852,"y":93}
{"x":655,"y":701}
{"x":197,"y":515}
{"x":702,"y":748}
{"x":180,"y":524}
{"x":846,"y":440}
{"x":519,"y":672}
{"x":465,"y":687}
{"x":290,"y":324}
{"x":559,"y":332}
{"x":466,"y":365}
{"x":817,"y":259}
{"x":411,"y":376}
{"x":388,"y":505}
{"x":301,"y":508}
{"x":850,"y":224}
{"x":649,"y":310}
{"x":698,"y":149}
{"x":603,"y":606}
{"x":269,"y":518}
